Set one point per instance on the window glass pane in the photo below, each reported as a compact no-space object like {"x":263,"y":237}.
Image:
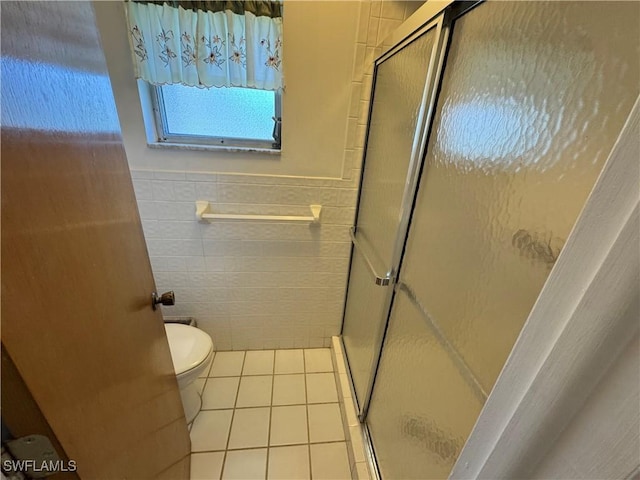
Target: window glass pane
{"x":219,"y":112}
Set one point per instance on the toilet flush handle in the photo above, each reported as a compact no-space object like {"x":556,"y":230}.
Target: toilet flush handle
{"x":167,"y":298}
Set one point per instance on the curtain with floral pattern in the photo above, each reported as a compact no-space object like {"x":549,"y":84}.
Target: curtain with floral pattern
{"x":207,"y":43}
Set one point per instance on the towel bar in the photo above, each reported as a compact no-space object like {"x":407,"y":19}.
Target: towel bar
{"x":203,"y":212}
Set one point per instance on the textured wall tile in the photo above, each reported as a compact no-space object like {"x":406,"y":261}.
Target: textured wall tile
{"x":142,"y":174}
{"x":162,"y":190}
{"x":393,"y":9}
{"x":386,"y":27}
{"x":206,"y":279}
{"x":335,"y":249}
{"x":363,"y":23}
{"x":142,"y":189}
{"x":363,"y":109}
{"x":184,"y":191}
{"x":176,"y":211}
{"x":356,"y":93}
{"x":172,"y":280}
{"x":158,"y":264}
{"x":347,"y":197}
{"x":361,"y":133}
{"x":367,"y":80}
{"x":359,"y":62}
{"x":150,"y":228}
{"x":352,"y":126}
{"x":194,"y":264}
{"x":354,"y":181}
{"x":187,"y":230}
{"x":372,"y":32}
{"x":376,"y":8}
{"x":147,"y":209}
{"x":214,"y":264}
{"x":166,"y":175}
{"x":206,"y":191}
{"x":348,"y":161}
{"x":174,"y":247}
{"x":201,"y":176}
{"x":175,"y":264}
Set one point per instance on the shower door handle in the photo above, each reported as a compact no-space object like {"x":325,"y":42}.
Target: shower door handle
{"x":382,"y":280}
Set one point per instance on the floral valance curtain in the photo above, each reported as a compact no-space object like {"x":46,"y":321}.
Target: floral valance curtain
{"x":207,"y":43}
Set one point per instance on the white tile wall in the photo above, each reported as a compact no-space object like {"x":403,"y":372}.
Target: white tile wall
{"x":259,"y":285}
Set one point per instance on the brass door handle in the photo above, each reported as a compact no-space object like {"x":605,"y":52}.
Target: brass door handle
{"x":167,"y":298}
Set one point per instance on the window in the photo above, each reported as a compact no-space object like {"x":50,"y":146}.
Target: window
{"x":225,"y":117}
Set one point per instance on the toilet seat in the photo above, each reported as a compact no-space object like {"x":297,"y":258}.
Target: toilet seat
{"x":189,"y":347}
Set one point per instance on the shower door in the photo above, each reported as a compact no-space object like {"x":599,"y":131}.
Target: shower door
{"x":401,"y":100}
{"x":532,"y":98}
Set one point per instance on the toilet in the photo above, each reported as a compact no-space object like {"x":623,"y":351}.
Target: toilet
{"x":191,"y":352}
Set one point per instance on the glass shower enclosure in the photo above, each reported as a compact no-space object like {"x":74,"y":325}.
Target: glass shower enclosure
{"x":487,"y":130}
{"x":401,"y":105}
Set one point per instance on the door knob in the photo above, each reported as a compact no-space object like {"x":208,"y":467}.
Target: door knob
{"x":167,"y":298}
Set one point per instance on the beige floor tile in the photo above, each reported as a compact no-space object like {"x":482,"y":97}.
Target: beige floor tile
{"x":245,"y":465}
{"x":210,"y":430}
{"x":272,"y":423}
{"x":288,"y":425}
{"x":289,"y":361}
{"x":255,"y":391}
{"x":325,"y":423}
{"x":227,"y":364}
{"x":321,"y":388}
{"x":250,"y":428}
{"x":289,"y":463}
{"x":258,"y":362}
{"x":329,"y":461}
{"x":318,"y":360}
{"x":206,"y":466}
{"x":289,"y":390}
{"x":220,"y":392}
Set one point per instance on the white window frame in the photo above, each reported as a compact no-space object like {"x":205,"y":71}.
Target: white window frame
{"x":158,"y":137}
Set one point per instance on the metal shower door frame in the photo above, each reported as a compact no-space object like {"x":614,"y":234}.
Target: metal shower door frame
{"x":424,"y":20}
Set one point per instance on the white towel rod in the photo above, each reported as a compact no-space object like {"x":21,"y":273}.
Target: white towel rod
{"x":203,"y":212}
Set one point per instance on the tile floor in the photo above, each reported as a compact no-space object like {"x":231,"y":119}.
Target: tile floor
{"x":269,"y":415}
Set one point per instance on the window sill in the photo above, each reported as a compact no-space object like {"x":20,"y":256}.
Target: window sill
{"x":212,"y":148}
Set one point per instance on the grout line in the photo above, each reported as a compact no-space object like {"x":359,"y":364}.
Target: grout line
{"x":306,"y":408}
{"x":273,"y":369}
{"x":233,"y":412}
{"x":271,"y":405}
{"x":299,"y":373}
{"x":273,"y":446}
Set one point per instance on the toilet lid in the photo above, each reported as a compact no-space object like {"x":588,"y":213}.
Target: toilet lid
{"x":189,"y":346}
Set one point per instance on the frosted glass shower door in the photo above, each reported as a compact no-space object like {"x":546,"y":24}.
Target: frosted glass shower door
{"x":401,"y":94}
{"x":532,"y":99}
